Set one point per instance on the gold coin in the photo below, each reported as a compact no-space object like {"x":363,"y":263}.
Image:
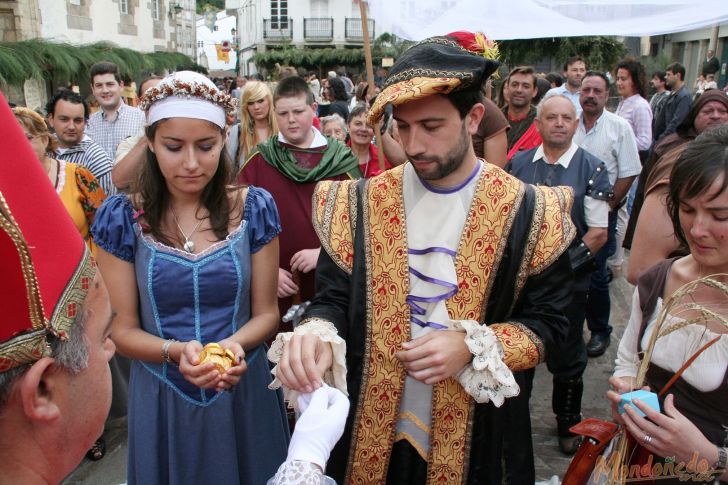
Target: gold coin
{"x":227,"y":364}
{"x":223,"y":360}
{"x":214,"y":348}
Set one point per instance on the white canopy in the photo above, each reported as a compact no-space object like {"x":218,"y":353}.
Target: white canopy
{"x":529,"y":19}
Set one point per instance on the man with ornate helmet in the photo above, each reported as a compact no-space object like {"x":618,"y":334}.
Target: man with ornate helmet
{"x":440,"y":282}
{"x":55,"y":385}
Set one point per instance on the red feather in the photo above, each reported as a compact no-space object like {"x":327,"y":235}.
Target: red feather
{"x":467,"y":41}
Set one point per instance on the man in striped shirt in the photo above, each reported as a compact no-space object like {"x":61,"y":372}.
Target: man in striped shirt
{"x":67,"y":115}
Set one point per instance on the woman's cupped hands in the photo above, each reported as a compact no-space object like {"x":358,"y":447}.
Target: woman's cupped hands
{"x":205,"y":374}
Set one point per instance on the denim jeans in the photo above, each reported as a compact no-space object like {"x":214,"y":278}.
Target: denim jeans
{"x":598,"y":303}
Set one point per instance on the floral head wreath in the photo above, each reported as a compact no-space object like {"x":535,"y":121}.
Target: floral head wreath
{"x":176,"y":87}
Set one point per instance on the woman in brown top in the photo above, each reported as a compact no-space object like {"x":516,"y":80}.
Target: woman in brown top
{"x":654,"y":238}
{"x":688,"y":437}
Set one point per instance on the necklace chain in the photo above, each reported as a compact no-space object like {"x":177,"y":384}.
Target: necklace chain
{"x":369,"y":159}
{"x":188,"y":245}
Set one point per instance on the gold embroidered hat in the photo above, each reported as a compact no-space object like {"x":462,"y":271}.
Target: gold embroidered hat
{"x":438,"y":65}
{"x":46,"y":268}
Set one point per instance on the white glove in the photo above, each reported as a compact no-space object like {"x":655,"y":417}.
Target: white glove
{"x":320,"y":425}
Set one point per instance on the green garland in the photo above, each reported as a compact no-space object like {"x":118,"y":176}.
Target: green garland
{"x":386,"y":45}
{"x":308,"y":58}
{"x":41,"y":59}
{"x":600,"y":52}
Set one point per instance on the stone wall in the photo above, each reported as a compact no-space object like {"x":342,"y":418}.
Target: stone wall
{"x":8,"y":28}
{"x":126,"y":21}
{"x":19,"y":20}
{"x":79,"y":16}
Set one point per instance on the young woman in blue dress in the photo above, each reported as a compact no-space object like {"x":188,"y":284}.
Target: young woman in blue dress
{"x":190,"y":260}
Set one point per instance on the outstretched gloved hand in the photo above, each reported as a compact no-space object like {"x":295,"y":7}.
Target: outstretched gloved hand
{"x":320,"y":425}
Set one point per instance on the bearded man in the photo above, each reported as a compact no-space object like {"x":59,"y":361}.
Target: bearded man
{"x":439,"y":282}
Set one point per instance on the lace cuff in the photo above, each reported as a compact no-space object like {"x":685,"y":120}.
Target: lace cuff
{"x":325,"y":330}
{"x":300,"y":473}
{"x":487,"y":378}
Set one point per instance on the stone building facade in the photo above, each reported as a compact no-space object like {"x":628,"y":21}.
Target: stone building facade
{"x":142,"y":25}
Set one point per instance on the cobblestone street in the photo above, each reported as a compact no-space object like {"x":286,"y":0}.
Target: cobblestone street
{"x":549,"y":460}
{"x":111,"y":470}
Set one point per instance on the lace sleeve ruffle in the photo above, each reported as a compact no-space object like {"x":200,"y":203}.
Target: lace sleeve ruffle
{"x":325,"y":330}
{"x":487,"y":378}
{"x":300,"y":473}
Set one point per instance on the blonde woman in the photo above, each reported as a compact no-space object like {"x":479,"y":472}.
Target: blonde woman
{"x":257,"y":122}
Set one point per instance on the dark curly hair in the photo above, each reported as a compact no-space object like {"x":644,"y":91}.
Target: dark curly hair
{"x":637,"y":72}
{"x":338,"y":89}
{"x":68,"y":96}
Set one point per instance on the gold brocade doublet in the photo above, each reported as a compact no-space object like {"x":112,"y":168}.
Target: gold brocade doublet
{"x":495,"y":205}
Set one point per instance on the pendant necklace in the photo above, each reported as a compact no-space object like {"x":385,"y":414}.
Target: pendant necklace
{"x":188,"y":245}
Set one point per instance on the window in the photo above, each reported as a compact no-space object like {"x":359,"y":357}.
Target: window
{"x":319,"y":8}
{"x":279,"y":14}
{"x":156,"y":9}
{"x":124,"y":6}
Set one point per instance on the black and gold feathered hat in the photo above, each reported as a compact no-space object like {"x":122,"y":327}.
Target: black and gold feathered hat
{"x":438,"y":65}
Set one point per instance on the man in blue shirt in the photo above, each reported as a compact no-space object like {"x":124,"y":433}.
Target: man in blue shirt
{"x":574,"y":71}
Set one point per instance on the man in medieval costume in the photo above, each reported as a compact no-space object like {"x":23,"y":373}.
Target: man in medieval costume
{"x":439,"y":282}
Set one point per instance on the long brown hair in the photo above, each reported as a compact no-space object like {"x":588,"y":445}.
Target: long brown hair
{"x":154,"y":196}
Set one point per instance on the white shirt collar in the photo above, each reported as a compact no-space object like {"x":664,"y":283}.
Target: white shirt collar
{"x":319,"y":140}
{"x":117,"y":111}
{"x":564,"y":160}
{"x":596,"y":123}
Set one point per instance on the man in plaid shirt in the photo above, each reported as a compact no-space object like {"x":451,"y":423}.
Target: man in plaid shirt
{"x":115,"y":121}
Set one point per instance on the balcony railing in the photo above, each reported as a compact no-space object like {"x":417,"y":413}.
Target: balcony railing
{"x":278,"y":28}
{"x":353,"y":29}
{"x":318,"y":28}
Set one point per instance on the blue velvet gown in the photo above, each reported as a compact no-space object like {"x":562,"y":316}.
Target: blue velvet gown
{"x":179,"y":433}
